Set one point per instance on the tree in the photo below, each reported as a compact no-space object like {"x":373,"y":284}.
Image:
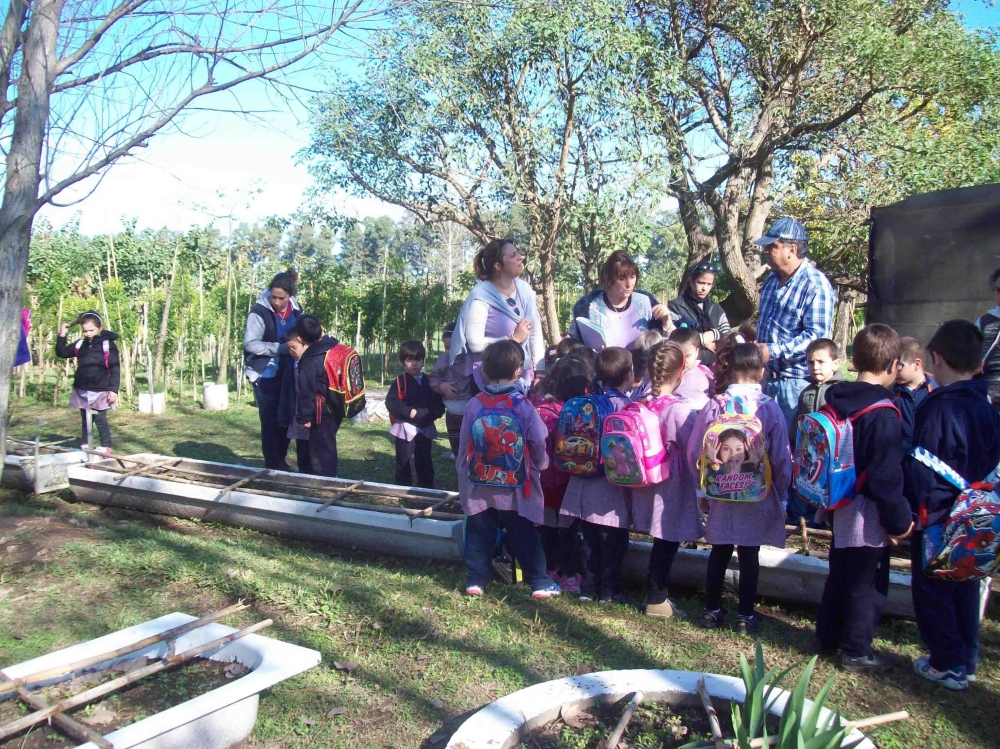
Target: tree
{"x":83,"y":84}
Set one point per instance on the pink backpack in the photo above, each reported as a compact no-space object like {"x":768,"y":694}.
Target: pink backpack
{"x":632,"y":447}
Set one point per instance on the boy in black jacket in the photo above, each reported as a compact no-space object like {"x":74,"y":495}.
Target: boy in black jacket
{"x":312,"y":408}
{"x":858,"y":583}
{"x":912,"y":386}
{"x":414,"y":407}
{"x":957,"y":424}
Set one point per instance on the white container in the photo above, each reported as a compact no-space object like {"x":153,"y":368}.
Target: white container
{"x":215,"y":397}
{"x":215,"y":720}
{"x":155,"y":404}
{"x":503,"y":723}
{"x":19,"y":470}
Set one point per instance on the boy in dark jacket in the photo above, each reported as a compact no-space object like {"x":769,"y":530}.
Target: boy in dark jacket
{"x":414,"y":407}
{"x":306,"y":342}
{"x":957,"y":424}
{"x":912,"y":386}
{"x":858,"y":583}
{"x":823,"y":360}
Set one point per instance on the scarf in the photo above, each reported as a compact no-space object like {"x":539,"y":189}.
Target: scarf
{"x":484,"y":291}
{"x":700,"y":309}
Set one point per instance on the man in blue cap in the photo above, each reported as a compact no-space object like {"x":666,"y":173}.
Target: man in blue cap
{"x":797,"y":304}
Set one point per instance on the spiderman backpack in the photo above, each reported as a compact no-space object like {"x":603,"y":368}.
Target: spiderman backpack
{"x":497,"y":454}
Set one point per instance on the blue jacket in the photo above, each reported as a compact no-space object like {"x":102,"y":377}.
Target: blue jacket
{"x":908,"y":401}
{"x":957,"y":424}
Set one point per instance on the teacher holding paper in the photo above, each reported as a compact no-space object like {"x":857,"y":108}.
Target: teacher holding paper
{"x":617,"y":312}
{"x":499,"y":306}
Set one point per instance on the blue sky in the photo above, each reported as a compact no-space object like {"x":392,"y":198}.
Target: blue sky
{"x":181,"y":173}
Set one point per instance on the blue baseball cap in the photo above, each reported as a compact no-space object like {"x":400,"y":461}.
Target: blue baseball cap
{"x":785,"y":228}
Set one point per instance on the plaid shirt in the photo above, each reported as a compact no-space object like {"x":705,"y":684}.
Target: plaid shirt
{"x":792,"y":316}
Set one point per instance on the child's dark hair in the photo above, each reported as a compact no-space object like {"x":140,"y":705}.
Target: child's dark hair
{"x":285,"y":281}
{"x":613,"y":367}
{"x":308,"y":329}
{"x":584,"y":354}
{"x":551,"y":357}
{"x":960,"y":344}
{"x":640,"y":363}
{"x":412,"y":350}
{"x":910,"y":349}
{"x":823,"y":344}
{"x":501,"y":360}
{"x":875,"y":348}
{"x":749,"y":331}
{"x":92,"y":317}
{"x":449,"y":330}
{"x":745,"y":359}
{"x":723,"y":354}
{"x":685,"y":337}
{"x":567,"y":346}
{"x":569,"y":378}
{"x":666,"y":365}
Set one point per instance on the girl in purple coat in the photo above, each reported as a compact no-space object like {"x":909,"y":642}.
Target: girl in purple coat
{"x":668,"y":511}
{"x":745,"y":525}
{"x":605,"y":508}
{"x":517,"y":509}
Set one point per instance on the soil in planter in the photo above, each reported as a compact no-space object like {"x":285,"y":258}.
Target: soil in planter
{"x":138,"y":700}
{"x":656,"y":725}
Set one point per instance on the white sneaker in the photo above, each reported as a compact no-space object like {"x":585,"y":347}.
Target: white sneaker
{"x":948,"y":679}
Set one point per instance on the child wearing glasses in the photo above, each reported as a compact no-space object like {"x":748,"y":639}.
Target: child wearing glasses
{"x":413,"y":408}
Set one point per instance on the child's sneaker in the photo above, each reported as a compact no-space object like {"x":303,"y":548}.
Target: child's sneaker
{"x":587,"y":598}
{"x":948,"y":679}
{"x":550,"y":592}
{"x":571,"y":583}
{"x":616,"y":598}
{"x":474,"y":590}
{"x":555,"y":577}
{"x":665,"y":610}
{"x":747,"y":625}
{"x":711,"y":619}
{"x":859,"y":664}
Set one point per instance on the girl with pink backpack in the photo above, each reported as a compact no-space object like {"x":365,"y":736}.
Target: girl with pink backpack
{"x":668,"y":510}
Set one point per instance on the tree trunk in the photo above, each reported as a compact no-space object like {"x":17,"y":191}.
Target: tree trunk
{"x":547,"y":279}
{"x":20,"y":194}
{"x":165,"y":319}
{"x":222,"y":376}
{"x":843,"y":323}
{"x":742,"y":300}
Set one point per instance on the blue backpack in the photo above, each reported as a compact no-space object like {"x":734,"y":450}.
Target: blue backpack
{"x":577,"y":449}
{"x":497,"y":454}
{"x":823,"y":469}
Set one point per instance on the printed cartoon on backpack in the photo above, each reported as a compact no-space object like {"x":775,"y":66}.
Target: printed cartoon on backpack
{"x":497,"y":455}
{"x":734,"y":463}
{"x":347,"y":380}
{"x":632,"y":447}
{"x":578,"y":438}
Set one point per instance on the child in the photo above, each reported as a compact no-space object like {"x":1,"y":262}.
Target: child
{"x":568,"y":378}
{"x":957,"y":424}
{"x":912,"y":386}
{"x":415,"y":407}
{"x":746,"y":525}
{"x":313,"y":410}
{"x":668,"y":511}
{"x":823,"y":359}
{"x":698,"y":383}
{"x":454,"y":386}
{"x":603,"y":506}
{"x":517,"y":510}
{"x":95,"y":383}
{"x":642,"y":355}
{"x":288,"y":404}
{"x":856,"y":588}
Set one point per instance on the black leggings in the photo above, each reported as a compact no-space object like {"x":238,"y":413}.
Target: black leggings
{"x":101,"y":422}
{"x":718,"y":561}
{"x":660,"y":561}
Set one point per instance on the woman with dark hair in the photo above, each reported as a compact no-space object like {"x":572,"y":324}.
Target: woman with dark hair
{"x":266,"y":360}
{"x":499,"y":306}
{"x":989,"y":324}
{"x":694,"y":308}
{"x":618,"y":309}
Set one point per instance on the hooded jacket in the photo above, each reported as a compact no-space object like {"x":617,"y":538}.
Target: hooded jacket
{"x":312,"y":384}
{"x":878,"y":450}
{"x":908,"y":401}
{"x":703,"y":316}
{"x":92,"y":372}
{"x":989,"y":324}
{"x":957,"y":424}
{"x":419,"y":396}
{"x":261,"y":342}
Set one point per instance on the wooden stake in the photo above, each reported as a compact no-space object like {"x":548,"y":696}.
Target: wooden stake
{"x":142,"y":467}
{"x":38,"y":449}
{"x":615,"y":737}
{"x":804,"y":530}
{"x":169,"y":634}
{"x":69,"y":726}
{"x":245,"y":480}
{"x":340,"y":495}
{"x":115,"y":684}
{"x":713,"y":718}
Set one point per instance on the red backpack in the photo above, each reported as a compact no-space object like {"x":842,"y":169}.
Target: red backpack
{"x":346,"y":379}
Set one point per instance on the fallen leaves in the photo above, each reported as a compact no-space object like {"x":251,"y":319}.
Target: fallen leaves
{"x":234,"y":670}
{"x":101,"y":715}
{"x":437,"y":704}
{"x":347,"y":666}
{"x":336,"y":711}
{"x":574,"y":717}
{"x":125,"y":666}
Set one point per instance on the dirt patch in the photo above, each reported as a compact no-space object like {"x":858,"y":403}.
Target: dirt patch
{"x":29,"y":538}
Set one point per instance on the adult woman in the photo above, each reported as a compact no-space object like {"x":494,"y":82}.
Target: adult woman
{"x":499,"y":306}
{"x":990,"y":325}
{"x":620,"y":311}
{"x":695,"y":308}
{"x":266,"y":360}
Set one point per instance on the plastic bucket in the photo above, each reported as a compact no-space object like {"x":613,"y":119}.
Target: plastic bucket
{"x":215,"y":397}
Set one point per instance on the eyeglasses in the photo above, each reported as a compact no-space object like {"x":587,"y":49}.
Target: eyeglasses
{"x":706,"y":268}
{"x":513,"y":305}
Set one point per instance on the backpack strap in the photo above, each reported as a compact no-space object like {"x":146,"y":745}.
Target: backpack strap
{"x":105,"y":346}
{"x":939,"y":467}
{"x":884,"y":403}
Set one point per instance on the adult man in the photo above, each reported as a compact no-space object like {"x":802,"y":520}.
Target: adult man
{"x":796,"y":307}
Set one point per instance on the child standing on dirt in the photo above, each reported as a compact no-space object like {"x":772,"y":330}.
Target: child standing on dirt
{"x":668,"y":511}
{"x":857,"y":587}
{"x":501,"y":455}
{"x":306,"y":341}
{"x":454,"y":386}
{"x":95,"y":383}
{"x":413,"y":407}
{"x":742,"y":525}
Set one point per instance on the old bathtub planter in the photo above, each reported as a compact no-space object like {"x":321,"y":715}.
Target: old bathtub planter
{"x":369,"y":530}
{"x":215,"y":720}
{"x":503,"y":723}
{"x":19,"y":468}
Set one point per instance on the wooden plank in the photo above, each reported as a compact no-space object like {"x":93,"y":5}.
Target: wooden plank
{"x":340,"y":495}
{"x":65,"y":723}
{"x":243,"y":481}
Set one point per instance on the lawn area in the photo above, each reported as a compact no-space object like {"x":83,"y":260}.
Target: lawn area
{"x":425,"y":655}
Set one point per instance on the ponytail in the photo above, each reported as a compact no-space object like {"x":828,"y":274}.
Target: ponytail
{"x":285,"y":281}
{"x":484,"y":264}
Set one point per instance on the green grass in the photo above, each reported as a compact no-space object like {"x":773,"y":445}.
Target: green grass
{"x":425,"y":655}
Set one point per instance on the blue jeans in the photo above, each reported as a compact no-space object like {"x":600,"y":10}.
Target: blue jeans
{"x":522,"y":541}
{"x":786,"y":393}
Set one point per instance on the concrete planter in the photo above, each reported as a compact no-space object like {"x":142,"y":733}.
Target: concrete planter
{"x":397,"y":535}
{"x":19,"y":471}
{"x":215,"y":720}
{"x":503,"y":723}
{"x":152,"y":404}
{"x":215,"y":397}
